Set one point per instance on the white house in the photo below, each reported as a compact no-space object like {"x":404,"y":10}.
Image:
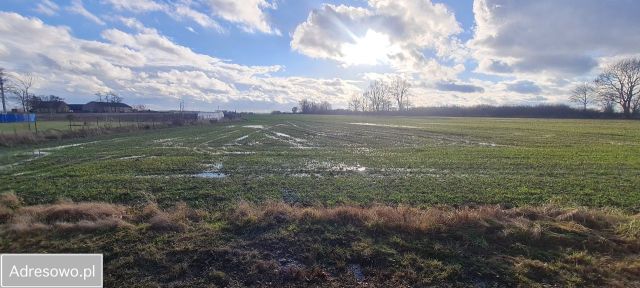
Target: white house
{"x":218,"y":115}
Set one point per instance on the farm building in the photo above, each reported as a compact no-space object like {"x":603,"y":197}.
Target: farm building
{"x":106,"y":107}
{"x":218,"y":115}
{"x":50,"y":107}
{"x":77,"y":108}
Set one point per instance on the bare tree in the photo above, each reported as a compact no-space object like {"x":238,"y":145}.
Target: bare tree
{"x":583,"y":95}
{"x":621,"y":82}
{"x":311,"y":107}
{"x":112,"y":97}
{"x":607,"y":103}
{"x":140,"y":107}
{"x":99,"y":96}
{"x":400,"y":93}
{"x":355,"y":104}
{"x":5,"y":86}
{"x":378,"y":96}
{"x":21,"y":87}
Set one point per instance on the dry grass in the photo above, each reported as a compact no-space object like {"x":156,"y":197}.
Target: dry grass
{"x":8,"y":203}
{"x":89,"y":216}
{"x":176,"y":219}
{"x":69,"y":216}
{"x":527,"y":221}
{"x":10,"y":200}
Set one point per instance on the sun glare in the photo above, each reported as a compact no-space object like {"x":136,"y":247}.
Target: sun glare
{"x":372,"y":49}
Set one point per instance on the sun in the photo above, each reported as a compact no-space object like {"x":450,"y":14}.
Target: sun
{"x":372,"y":49}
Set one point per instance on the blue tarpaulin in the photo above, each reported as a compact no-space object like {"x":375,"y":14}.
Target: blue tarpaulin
{"x":15,"y":118}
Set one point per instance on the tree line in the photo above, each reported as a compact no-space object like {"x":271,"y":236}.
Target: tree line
{"x":383,"y":96}
{"x":380,"y":96}
{"x":617,"y":87}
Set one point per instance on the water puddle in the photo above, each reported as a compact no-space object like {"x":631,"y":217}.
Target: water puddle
{"x":214,"y":175}
{"x":254,"y":126}
{"x":242,"y":138}
{"x":131,"y":157}
{"x":384,"y":125}
{"x":334,"y":167}
{"x":239,"y":152}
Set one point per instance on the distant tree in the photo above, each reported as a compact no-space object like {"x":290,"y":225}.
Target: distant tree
{"x":52,"y":98}
{"x":112,"y":97}
{"x":355,"y":104}
{"x":99,"y":96}
{"x":607,"y":102}
{"x":305,"y":106}
{"x":140,"y":107}
{"x":21,"y":86}
{"x":378,"y":96}
{"x":310,"y":107}
{"x":399,"y":89}
{"x":294,"y":110}
{"x":620,"y":82}
{"x":583,"y":95}
{"x":5,"y":87}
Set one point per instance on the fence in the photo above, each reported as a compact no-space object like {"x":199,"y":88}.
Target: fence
{"x":17,"y":118}
{"x":76,"y":121}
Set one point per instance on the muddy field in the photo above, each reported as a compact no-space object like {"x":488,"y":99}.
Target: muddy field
{"x":338,"y":201}
{"x":342,"y":160}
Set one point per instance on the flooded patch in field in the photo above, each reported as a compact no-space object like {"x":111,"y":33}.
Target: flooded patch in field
{"x":236,"y":141}
{"x":384,"y":125}
{"x":254,"y":126}
{"x":214,"y":175}
{"x":290,"y":137}
{"x":334,"y":167}
{"x":242,"y":138}
{"x":296,"y":143}
{"x":213,"y":166}
{"x":239,"y":152}
{"x":131,"y":157}
{"x":167,"y":141}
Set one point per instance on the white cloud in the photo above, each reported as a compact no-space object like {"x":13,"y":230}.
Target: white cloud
{"x":250,"y":14}
{"x":78,"y":8}
{"x":552,"y":37}
{"x":136,"y":6}
{"x":415,"y":39}
{"x":47,"y":7}
{"x":407,"y":28}
{"x":184,"y":11}
{"x":147,"y":65}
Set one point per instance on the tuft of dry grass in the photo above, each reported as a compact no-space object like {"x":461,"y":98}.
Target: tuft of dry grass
{"x":10,"y":200}
{"x":69,"y":216}
{"x":176,"y":219}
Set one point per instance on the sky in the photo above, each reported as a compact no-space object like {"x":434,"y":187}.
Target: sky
{"x":263,"y":55}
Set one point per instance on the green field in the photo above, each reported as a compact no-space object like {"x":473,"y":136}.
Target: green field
{"x":46,"y":126}
{"x":537,"y":170}
{"x":416,"y":161}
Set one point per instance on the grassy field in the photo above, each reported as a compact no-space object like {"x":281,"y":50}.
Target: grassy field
{"x":226,"y":176}
{"x":11,"y":128}
{"x":330,"y":160}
